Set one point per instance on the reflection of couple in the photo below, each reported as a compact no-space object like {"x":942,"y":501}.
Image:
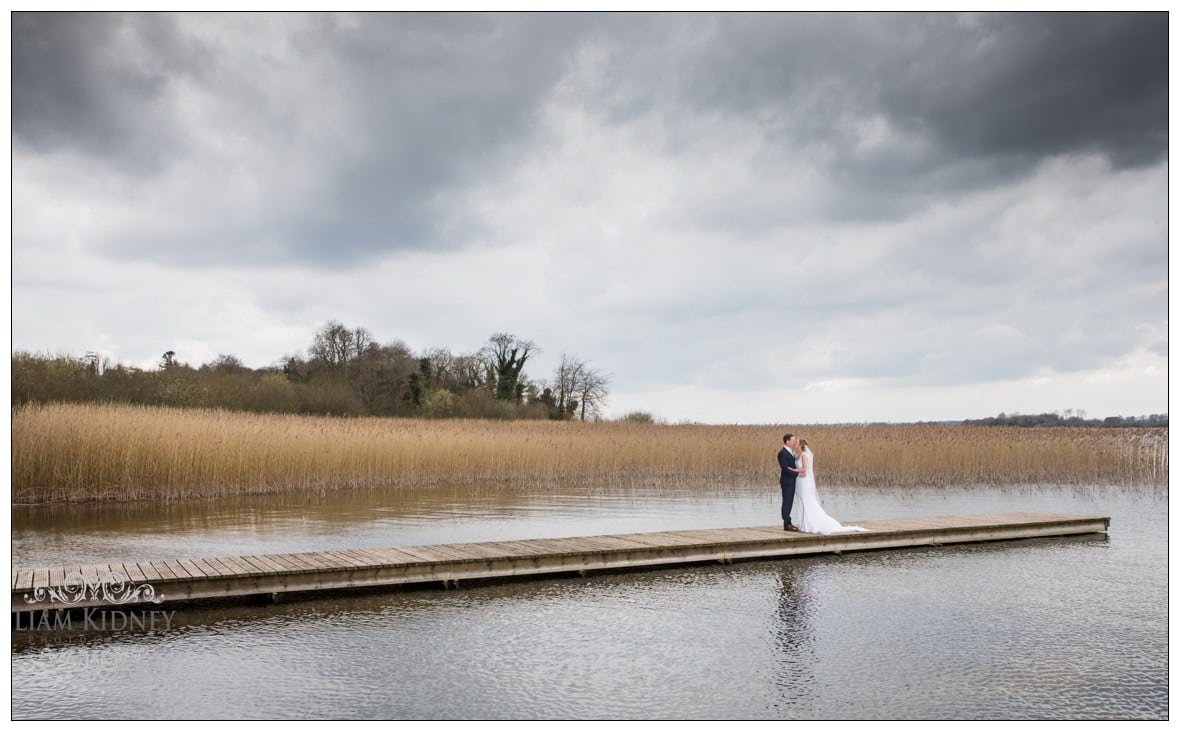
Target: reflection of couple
{"x":798,"y":481}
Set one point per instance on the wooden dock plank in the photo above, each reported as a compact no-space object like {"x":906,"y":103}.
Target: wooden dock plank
{"x":229,"y":566}
{"x":162,"y":568}
{"x":132,"y":572}
{"x":505,"y":548}
{"x":751,"y":534}
{"x":350,"y":559}
{"x":374,"y":558}
{"x":524,"y":547}
{"x":307,"y":561}
{"x":397,"y":556}
{"x":682,"y":538}
{"x":445,"y":552}
{"x":220,"y":567}
{"x":266,"y":563}
{"x":338,"y":559}
{"x":73,"y":573}
{"x":771,"y":532}
{"x":391,"y":556}
{"x":232,"y":566}
{"x":177,"y":569}
{"x":256,"y":565}
{"x":23,"y":581}
{"x":623,"y":541}
{"x":150,"y":573}
{"x":90,"y":574}
{"x":362,"y":558}
{"x":424,"y":554}
{"x":574,"y":545}
{"x":319,"y":560}
{"x":950,"y":522}
{"x":461,"y":552}
{"x":544,"y":547}
{"x":287,"y":563}
{"x":120,"y":571}
{"x":605,"y":544}
{"x":193,"y":570}
{"x":205,"y":568}
{"x":914,"y":524}
{"x":240,"y":566}
{"x":343,"y":561}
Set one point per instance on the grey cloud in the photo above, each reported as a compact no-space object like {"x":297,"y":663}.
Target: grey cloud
{"x":386,"y":114}
{"x":94,"y":82}
{"x":1021,"y":85}
{"x":436,"y":108}
{"x":1032,"y":85}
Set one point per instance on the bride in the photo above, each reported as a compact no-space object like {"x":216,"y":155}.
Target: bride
{"x":812,"y":518}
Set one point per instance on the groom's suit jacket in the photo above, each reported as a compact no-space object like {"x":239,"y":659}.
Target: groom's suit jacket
{"x":786,"y":460}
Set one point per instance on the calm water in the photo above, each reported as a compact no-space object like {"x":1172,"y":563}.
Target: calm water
{"x":1072,"y":628}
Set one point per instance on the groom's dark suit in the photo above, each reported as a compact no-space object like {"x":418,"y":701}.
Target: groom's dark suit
{"x":786,"y":482}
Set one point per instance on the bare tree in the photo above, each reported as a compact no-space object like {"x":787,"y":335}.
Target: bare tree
{"x":226,"y":364}
{"x":591,"y":390}
{"x":470,"y":373}
{"x":576,"y":389}
{"x":338,"y":347}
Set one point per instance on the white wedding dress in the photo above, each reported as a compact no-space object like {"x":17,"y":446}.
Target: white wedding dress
{"x":812,"y":518}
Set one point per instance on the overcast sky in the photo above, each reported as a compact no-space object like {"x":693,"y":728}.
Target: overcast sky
{"x":751,"y":218}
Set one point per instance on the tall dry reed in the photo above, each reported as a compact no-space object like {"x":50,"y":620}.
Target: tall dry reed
{"x":63,"y":453}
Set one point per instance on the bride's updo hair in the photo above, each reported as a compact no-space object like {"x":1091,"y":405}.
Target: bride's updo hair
{"x":802,"y":444}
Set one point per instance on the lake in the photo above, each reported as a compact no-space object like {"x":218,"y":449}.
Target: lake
{"x":1069,"y":628}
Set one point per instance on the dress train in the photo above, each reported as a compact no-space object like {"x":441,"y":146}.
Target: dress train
{"x":812,"y":517}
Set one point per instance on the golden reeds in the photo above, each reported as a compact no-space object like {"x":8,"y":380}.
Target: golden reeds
{"x":71,"y":452}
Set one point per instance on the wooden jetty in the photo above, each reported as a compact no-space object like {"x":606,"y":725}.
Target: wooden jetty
{"x":189,"y":580}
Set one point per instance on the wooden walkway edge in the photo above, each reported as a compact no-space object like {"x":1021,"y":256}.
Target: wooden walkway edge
{"x":188,"y":580}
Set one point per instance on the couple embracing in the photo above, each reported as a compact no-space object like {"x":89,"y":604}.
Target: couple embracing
{"x":798,"y":481}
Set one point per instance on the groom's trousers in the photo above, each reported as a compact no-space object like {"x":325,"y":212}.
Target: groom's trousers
{"x":788,"y":500}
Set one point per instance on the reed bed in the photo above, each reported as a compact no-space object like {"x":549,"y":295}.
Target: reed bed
{"x":72,"y":453}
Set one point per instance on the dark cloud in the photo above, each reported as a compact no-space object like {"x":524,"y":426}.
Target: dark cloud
{"x":97,"y":83}
{"x":380,"y":118}
{"x":1022,"y":85}
{"x":1031,"y":85}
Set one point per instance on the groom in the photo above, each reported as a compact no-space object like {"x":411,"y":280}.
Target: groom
{"x":786,"y":481}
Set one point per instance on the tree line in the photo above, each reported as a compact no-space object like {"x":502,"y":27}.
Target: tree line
{"x":1069,"y":419}
{"x":344,"y":372}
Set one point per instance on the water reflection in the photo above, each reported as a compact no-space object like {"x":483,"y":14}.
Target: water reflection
{"x":794,"y":637}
